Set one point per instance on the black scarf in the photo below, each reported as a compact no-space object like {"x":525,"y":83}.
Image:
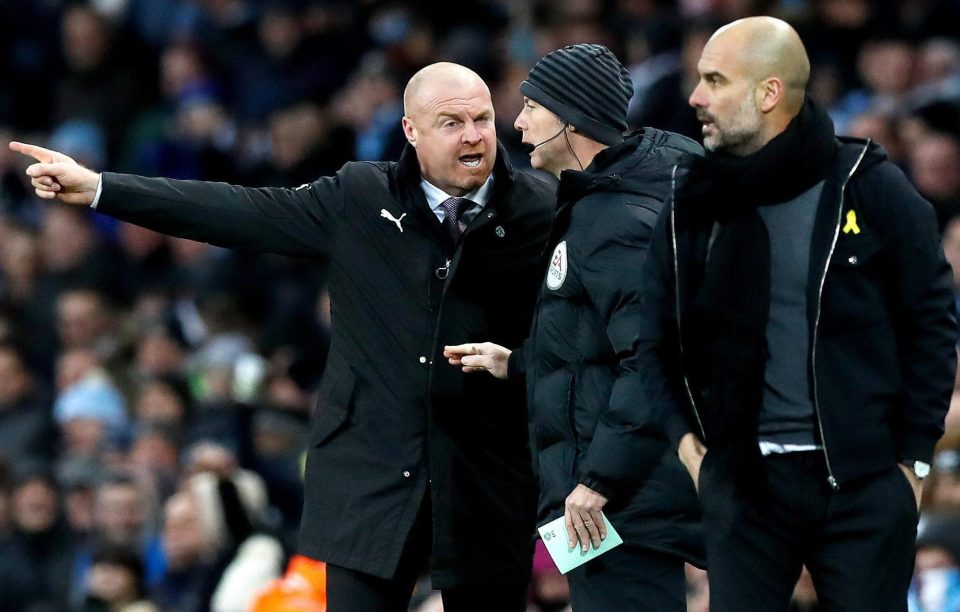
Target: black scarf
{"x":722,"y":186}
{"x":727,"y":319}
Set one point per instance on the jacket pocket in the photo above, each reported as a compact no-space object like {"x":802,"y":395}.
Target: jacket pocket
{"x":856,"y":251}
{"x":855,"y":295}
{"x":333,"y":405}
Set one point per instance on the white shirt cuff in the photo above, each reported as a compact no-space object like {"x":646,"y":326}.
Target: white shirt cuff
{"x":96,"y":198}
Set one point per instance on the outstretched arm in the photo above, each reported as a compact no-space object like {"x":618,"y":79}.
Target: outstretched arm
{"x":57,"y":176}
{"x":299,"y":222}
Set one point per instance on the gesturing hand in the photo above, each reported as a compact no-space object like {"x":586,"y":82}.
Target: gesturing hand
{"x":583,"y":519}
{"x":479,"y":357}
{"x":59,"y":176}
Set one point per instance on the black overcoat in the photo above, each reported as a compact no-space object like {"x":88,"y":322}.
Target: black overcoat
{"x":394,"y":420}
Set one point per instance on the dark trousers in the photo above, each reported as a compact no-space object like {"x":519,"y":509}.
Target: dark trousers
{"x":629,"y":579}
{"x":857,"y":541}
{"x":352,"y":591}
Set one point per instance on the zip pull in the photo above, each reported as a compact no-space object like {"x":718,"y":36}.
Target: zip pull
{"x":443,"y":270}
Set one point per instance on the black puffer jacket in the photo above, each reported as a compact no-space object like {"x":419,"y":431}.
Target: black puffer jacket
{"x":581,"y":377}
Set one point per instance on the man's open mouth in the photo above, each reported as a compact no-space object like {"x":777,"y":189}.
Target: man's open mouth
{"x":472,"y":160}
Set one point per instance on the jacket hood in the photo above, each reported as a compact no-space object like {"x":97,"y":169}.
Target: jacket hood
{"x":630,"y":166}
{"x":852,"y":149}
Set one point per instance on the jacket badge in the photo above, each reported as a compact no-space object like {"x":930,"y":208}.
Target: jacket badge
{"x":499,"y":231}
{"x":851,"y":225}
{"x":557,"y":272}
{"x":386,"y":215}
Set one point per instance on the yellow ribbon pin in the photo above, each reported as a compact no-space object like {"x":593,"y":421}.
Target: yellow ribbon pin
{"x":851,"y":225}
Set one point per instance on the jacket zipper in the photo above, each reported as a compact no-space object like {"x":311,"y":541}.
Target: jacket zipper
{"x":676,"y":293}
{"x":831,"y":479}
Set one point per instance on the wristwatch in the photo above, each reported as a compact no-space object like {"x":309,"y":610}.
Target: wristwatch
{"x":920,"y":468}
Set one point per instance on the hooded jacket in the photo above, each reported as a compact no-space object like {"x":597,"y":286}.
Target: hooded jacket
{"x":879,"y":308}
{"x":582,"y":381}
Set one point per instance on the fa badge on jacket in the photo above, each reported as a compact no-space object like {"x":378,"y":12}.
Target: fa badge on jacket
{"x":558,"y":267}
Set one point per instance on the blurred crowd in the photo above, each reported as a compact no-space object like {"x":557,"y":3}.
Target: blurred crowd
{"x":155,"y":393}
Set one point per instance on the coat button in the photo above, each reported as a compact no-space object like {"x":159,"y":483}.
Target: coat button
{"x":853,"y":260}
{"x":423,"y":359}
{"x":406,"y":474}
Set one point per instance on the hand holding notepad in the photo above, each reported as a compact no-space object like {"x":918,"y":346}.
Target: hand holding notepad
{"x":554,"y":536}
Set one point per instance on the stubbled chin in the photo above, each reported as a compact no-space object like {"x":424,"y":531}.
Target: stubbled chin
{"x":473,"y":178}
{"x":710,"y":137}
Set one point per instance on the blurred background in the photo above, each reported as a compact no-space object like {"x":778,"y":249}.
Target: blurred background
{"x":155,"y":392}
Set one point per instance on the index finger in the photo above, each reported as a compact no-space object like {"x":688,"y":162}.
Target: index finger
{"x":458,"y":350}
{"x":38,"y":153}
{"x":572,"y":537}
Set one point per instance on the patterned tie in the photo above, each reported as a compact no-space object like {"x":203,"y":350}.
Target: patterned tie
{"x":452,"y":208}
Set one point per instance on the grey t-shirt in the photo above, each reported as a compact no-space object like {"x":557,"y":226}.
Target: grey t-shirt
{"x":787,"y":415}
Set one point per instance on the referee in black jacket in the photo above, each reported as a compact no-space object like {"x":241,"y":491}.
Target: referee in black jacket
{"x":592,"y":453}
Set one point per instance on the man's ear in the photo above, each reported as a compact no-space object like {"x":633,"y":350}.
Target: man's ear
{"x":770,"y":93}
{"x":409,"y":130}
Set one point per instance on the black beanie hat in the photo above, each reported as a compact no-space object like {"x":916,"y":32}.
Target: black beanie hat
{"x":586,"y":86}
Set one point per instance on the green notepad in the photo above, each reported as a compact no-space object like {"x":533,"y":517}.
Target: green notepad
{"x":554,"y":536}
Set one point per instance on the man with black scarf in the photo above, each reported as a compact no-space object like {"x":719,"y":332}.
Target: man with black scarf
{"x":798,"y":324}
{"x":582,"y":383}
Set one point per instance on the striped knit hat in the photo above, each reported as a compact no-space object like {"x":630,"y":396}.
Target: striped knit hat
{"x":586,"y":86}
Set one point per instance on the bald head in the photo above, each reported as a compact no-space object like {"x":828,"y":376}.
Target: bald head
{"x":438,"y":81}
{"x":753,"y":75}
{"x":449,"y":121}
{"x":767,"y":47}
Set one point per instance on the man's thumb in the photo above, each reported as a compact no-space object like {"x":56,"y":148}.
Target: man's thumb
{"x":46,"y":169}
